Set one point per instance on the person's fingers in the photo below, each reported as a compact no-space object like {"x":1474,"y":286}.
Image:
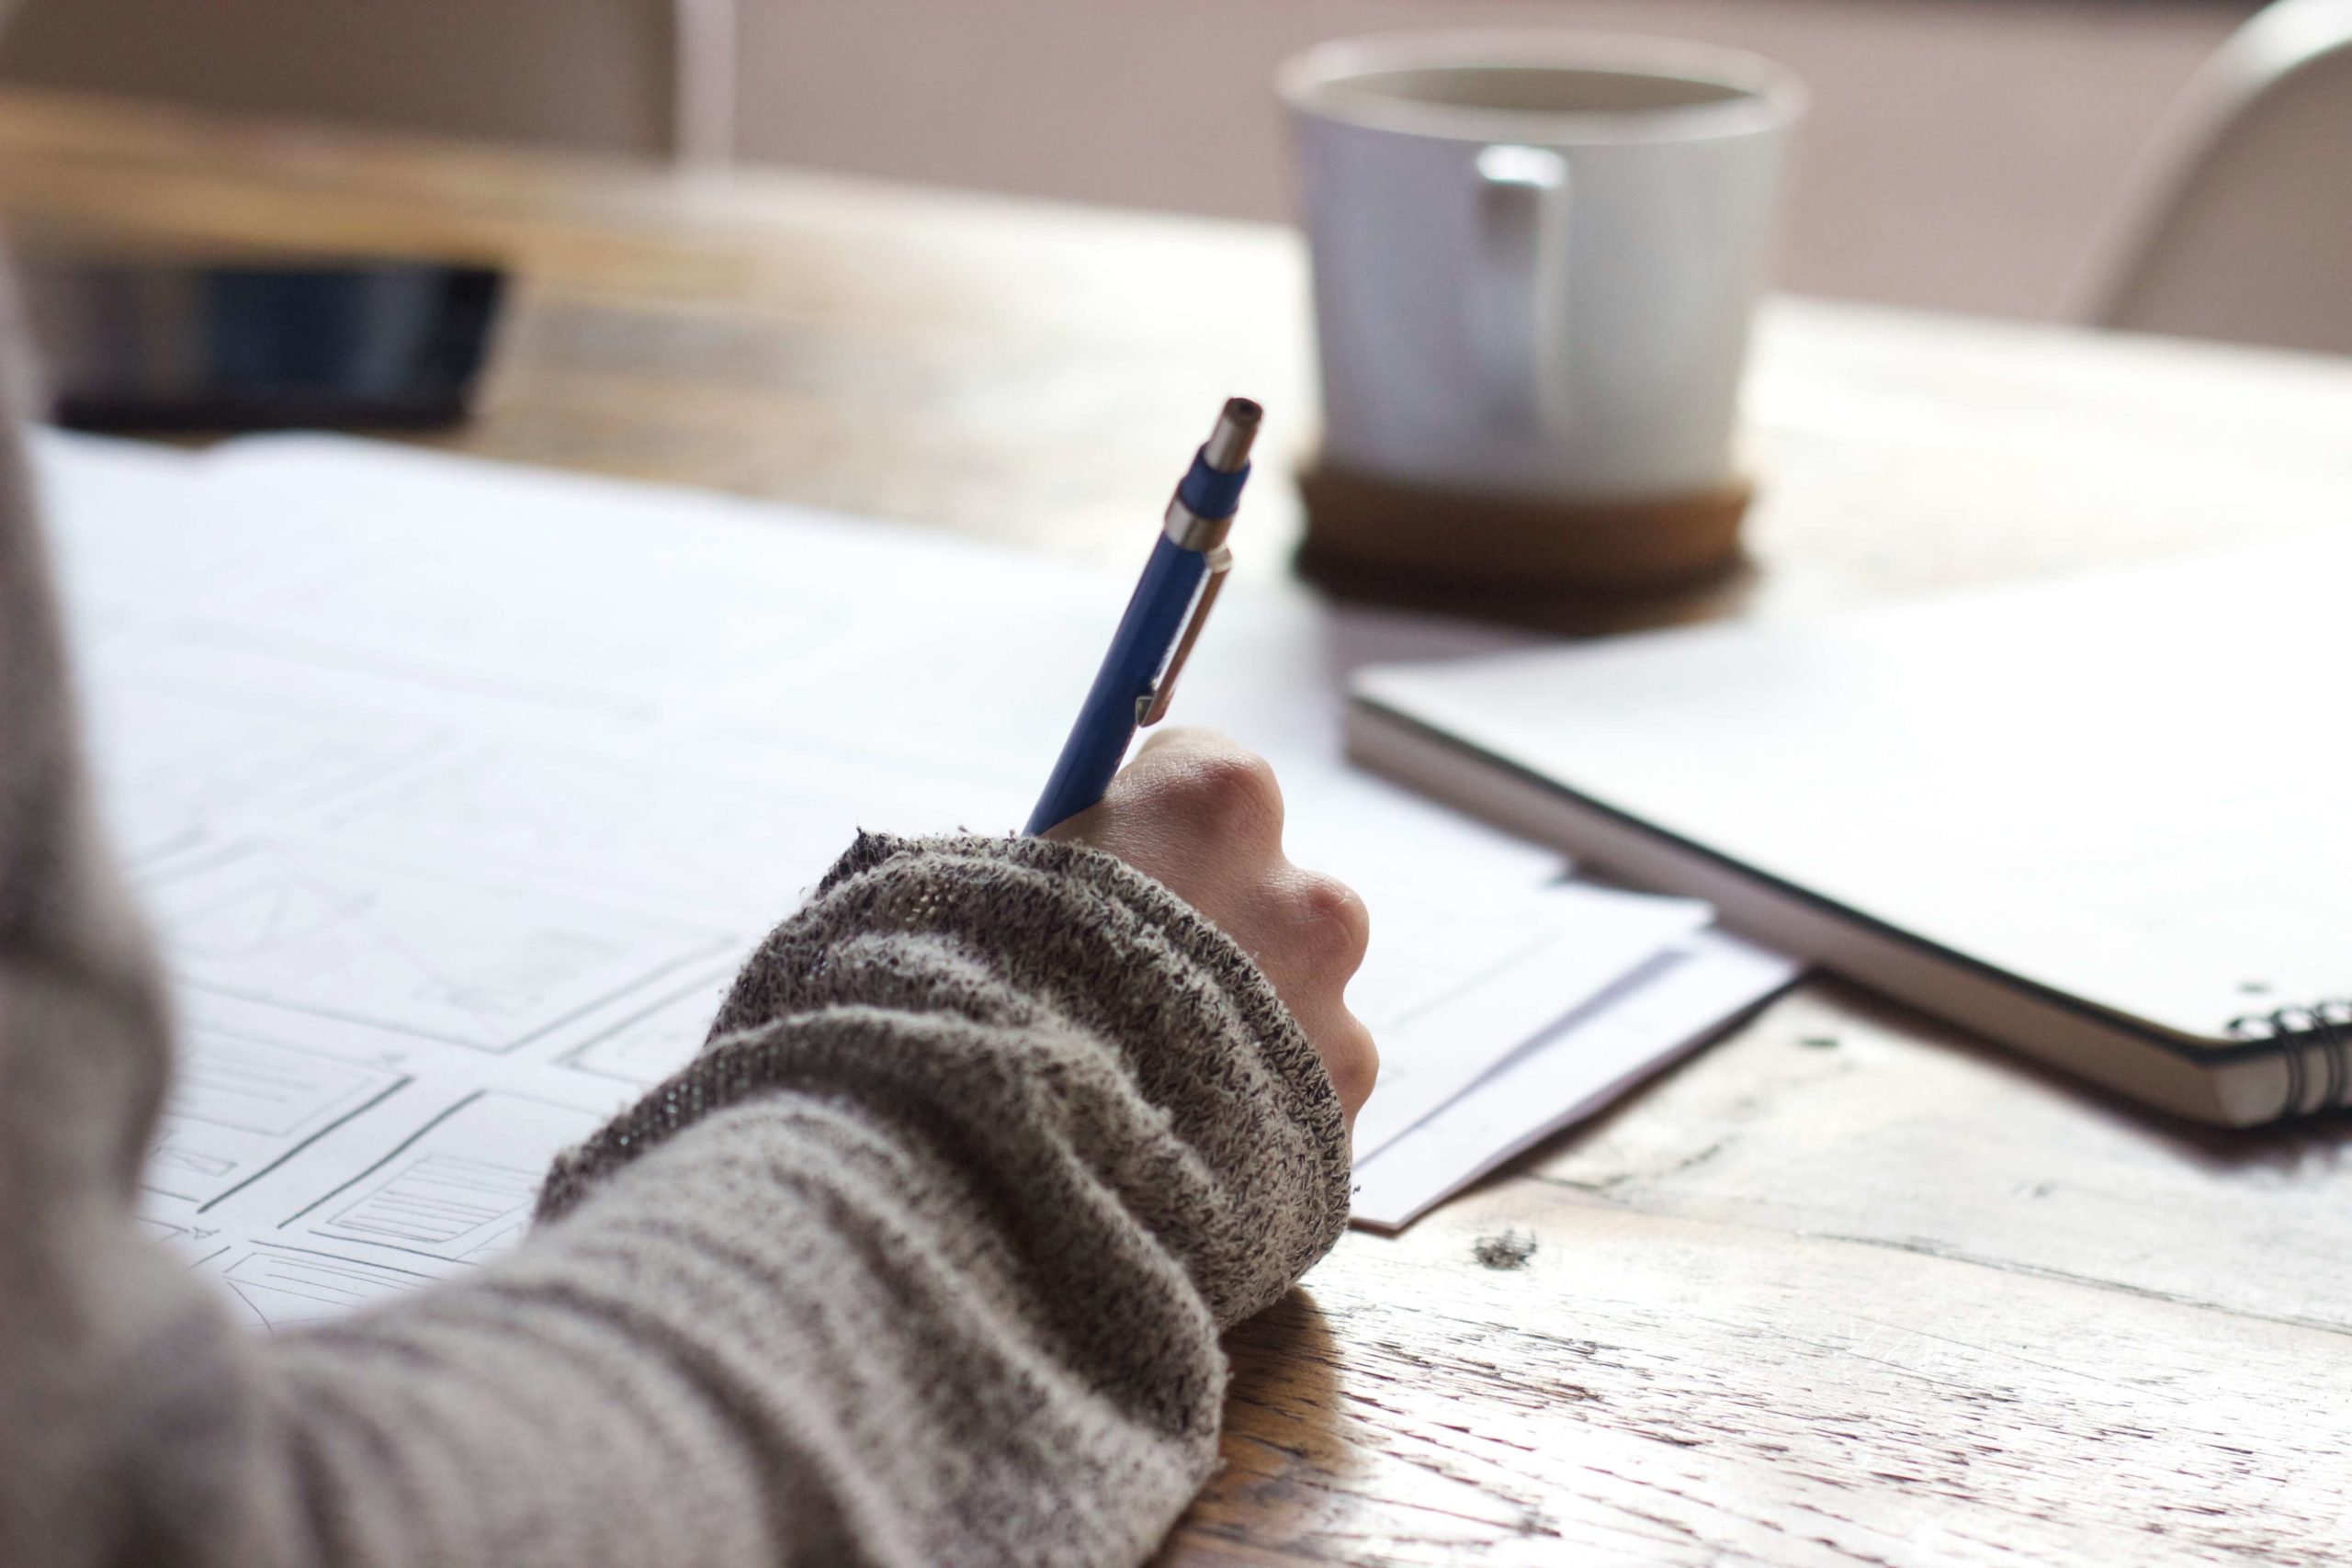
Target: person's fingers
{"x":1349,"y":1055}
{"x":1199,"y":776}
{"x":1184,"y":737}
{"x":1091,"y":825}
{"x":1332,"y":923}
{"x":1222,"y":791}
{"x":1196,"y":811}
{"x":1314,"y":931}
{"x":1204,"y":816}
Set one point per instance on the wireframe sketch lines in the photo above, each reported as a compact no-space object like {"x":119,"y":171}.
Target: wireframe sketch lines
{"x":177,"y":766}
{"x":283,"y":1286}
{"x":650,"y":1045}
{"x":437,"y":1201}
{"x":239,"y":1106}
{"x":249,"y":1086}
{"x":460,"y":1189}
{"x":299,"y":927}
{"x":596,"y":821}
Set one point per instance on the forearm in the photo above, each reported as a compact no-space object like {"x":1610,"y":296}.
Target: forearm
{"x":785,"y":1338}
{"x":923,"y":1262}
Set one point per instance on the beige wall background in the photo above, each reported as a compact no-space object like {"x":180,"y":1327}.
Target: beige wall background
{"x":584,"y":73}
{"x":1962,"y":154}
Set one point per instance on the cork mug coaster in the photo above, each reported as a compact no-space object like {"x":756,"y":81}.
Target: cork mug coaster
{"x":1360,"y":527}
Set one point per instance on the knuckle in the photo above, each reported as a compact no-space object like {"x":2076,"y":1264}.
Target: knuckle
{"x":1233,"y":791}
{"x":1336,"y":925}
{"x":1353,"y":1062}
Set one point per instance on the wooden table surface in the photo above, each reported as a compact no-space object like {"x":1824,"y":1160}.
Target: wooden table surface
{"x":1848,"y":1286}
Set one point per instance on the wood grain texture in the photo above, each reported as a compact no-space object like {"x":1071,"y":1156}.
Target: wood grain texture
{"x":1845,"y":1289}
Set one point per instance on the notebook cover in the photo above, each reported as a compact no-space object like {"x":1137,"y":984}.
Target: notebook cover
{"x":2129,"y":788}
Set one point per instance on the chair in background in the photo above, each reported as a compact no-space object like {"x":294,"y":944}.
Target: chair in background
{"x":648,"y":76}
{"x":2240,"y":226}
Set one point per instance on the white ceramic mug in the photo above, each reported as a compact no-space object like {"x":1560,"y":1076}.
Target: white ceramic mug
{"x":1536,"y":255}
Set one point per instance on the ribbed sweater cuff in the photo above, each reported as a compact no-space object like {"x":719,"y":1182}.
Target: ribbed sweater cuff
{"x":1042,"y":935}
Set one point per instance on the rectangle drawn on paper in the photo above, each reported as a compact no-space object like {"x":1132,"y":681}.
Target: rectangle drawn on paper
{"x":438,"y":1203}
{"x":648,"y":1046}
{"x":175,"y":766}
{"x":238,"y":1105}
{"x":484,"y":969}
{"x":280,"y":1287}
{"x":462,"y":1188}
{"x":583,"y":819}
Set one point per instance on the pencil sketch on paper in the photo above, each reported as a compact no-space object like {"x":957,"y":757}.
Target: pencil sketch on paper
{"x":239,"y":1106}
{"x":485,"y":969}
{"x":648,"y":1046}
{"x":179,"y":766}
{"x":440,"y":1204}
{"x":566,"y":816}
{"x":282,"y":1286}
{"x":197,"y":1244}
{"x":460,"y":1189}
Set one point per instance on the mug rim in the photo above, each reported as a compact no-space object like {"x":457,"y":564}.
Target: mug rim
{"x":1766,"y":96}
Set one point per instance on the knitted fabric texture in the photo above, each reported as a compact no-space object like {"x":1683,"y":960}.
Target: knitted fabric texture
{"x":923,"y":1262}
{"x":1111,"y":984}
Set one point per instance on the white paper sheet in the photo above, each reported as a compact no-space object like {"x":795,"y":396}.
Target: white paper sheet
{"x":1463,"y":987}
{"x":1648,"y":1022}
{"x":457,"y":792}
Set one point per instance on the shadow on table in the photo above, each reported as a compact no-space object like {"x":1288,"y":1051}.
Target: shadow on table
{"x":2309,"y":1149}
{"x":1284,"y":1446}
{"x":2312,"y":1146}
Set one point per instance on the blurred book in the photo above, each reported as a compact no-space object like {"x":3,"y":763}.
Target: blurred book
{"x":2098,"y":818}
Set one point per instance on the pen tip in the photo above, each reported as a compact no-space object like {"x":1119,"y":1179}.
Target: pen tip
{"x":1237,"y":428}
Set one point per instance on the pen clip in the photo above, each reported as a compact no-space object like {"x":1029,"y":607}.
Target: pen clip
{"x":1152,"y":707}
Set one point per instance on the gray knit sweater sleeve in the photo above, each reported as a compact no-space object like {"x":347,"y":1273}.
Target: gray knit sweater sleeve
{"x":923,"y":1262}
{"x":1071,"y":1037}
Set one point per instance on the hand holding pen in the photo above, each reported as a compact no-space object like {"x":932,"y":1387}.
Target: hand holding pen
{"x":1195,"y":812}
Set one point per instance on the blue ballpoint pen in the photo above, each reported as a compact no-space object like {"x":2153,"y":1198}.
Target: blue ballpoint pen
{"x":1188,"y":564}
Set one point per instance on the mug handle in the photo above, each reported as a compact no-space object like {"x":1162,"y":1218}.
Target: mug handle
{"x":1515,"y":304}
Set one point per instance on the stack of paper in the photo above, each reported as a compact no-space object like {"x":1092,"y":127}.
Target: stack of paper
{"x":459,"y":791}
{"x":1669,"y":1005}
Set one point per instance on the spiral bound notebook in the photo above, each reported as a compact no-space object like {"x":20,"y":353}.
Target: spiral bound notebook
{"x":2104,"y":819}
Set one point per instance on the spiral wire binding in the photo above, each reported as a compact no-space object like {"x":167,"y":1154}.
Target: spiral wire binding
{"x":2327,"y":1028}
